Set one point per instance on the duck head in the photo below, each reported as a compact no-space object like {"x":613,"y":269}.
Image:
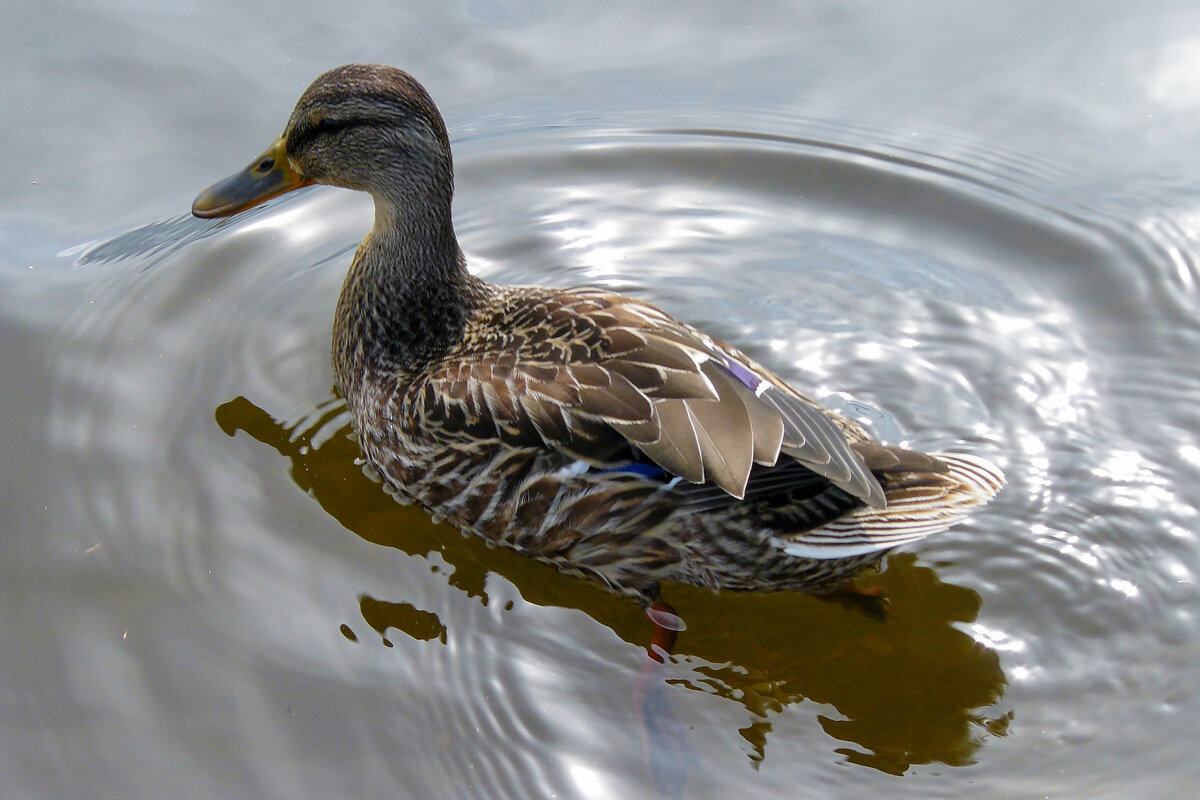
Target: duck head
{"x":361,"y":126}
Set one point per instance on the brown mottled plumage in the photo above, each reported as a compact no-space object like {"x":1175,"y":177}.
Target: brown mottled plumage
{"x":581,"y":427}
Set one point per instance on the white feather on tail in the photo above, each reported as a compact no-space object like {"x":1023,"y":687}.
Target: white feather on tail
{"x":912,"y":512}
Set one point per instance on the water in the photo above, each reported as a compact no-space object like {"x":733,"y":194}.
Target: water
{"x":972,"y":227}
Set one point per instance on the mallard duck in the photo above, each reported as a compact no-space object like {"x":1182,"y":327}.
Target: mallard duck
{"x":578,"y":426}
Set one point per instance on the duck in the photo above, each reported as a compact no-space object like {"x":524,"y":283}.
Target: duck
{"x":578,"y":426}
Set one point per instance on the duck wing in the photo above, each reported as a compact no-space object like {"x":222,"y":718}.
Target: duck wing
{"x":590,"y":373}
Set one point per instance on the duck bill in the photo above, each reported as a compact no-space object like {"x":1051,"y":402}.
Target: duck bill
{"x":269,"y":175}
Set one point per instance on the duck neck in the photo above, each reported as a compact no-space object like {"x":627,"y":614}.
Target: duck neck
{"x":407,"y":297}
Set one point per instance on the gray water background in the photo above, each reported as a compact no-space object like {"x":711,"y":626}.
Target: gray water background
{"x":972,"y":225}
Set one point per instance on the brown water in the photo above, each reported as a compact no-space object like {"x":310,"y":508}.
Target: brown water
{"x":972,"y":226}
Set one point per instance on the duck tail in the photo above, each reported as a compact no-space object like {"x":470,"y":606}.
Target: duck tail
{"x":919,"y":504}
{"x":979,"y":479}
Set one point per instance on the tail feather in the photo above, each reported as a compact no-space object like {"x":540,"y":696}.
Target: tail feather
{"x":918,"y":508}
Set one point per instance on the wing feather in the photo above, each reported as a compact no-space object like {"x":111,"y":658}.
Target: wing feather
{"x":725,"y":429}
{"x":585,"y":371}
{"x":677,"y":448}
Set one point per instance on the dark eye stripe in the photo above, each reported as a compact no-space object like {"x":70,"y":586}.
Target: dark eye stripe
{"x":328,"y":127}
{"x":415,"y":107}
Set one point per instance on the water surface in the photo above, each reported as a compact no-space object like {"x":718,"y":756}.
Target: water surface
{"x":971,"y":227}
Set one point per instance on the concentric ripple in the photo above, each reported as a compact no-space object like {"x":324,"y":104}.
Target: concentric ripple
{"x":191,"y":410}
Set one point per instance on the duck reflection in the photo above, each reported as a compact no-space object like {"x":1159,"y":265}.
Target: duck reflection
{"x":910,"y":689}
